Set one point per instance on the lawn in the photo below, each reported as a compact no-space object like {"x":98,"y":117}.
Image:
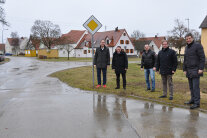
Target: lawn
{"x":61,"y":59}
{"x":5,"y":61}
{"x":82,"y":78}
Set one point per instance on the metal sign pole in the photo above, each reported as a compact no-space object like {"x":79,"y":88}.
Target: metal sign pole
{"x":92,"y":25}
{"x":92,"y":58}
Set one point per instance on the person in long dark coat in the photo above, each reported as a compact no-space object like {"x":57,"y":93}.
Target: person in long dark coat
{"x":194,"y":62}
{"x":120,"y":66}
{"x":101,"y":61}
{"x":167,"y":65}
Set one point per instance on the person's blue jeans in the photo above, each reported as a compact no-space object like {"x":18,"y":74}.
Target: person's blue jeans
{"x":195,"y":90}
{"x":104,"y":70}
{"x":151,"y":73}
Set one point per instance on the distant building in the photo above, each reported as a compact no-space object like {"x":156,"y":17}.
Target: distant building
{"x":2,"y":48}
{"x":154,"y":42}
{"x":81,"y":42}
{"x":16,"y":46}
{"x":203,"y":27}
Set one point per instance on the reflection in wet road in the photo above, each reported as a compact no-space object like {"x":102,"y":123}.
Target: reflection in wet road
{"x":34,"y":105}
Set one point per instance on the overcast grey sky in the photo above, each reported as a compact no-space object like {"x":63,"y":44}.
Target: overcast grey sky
{"x":148,"y":16}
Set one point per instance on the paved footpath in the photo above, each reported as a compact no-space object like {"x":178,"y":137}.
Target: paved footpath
{"x":33,"y":105}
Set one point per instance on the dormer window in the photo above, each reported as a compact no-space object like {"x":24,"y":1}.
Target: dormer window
{"x":107,"y":42}
{"x":85,"y":43}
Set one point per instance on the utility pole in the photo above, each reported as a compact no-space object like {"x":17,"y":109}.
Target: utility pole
{"x":188,"y":23}
{"x":2,"y":34}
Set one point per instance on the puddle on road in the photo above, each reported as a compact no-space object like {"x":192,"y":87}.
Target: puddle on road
{"x":15,"y":69}
{"x":31,"y":69}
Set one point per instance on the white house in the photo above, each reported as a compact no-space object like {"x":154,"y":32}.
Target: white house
{"x":70,"y":42}
{"x":154,"y":42}
{"x":113,"y":38}
{"x":14,"y":46}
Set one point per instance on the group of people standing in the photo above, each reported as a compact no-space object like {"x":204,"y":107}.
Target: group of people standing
{"x":165,"y":64}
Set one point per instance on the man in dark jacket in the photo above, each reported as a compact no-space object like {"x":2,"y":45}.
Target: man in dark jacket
{"x":120,"y":66}
{"x":194,"y":62}
{"x":167,"y":64}
{"x":101,"y":61}
{"x":148,"y":62}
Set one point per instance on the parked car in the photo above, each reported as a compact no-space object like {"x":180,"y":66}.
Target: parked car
{"x":8,"y":54}
{"x":2,"y":57}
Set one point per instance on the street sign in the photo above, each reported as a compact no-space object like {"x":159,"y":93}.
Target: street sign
{"x":92,"y":25}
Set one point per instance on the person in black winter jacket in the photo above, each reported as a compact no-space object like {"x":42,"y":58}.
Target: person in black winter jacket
{"x":149,"y":62}
{"x":167,"y":65}
{"x":193,"y":66}
{"x":101,"y":61}
{"x":120,"y":66}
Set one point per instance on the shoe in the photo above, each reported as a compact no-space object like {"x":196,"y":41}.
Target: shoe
{"x":189,"y":102}
{"x":148,"y":89}
{"x":98,"y":86}
{"x":104,"y":86}
{"x":171,"y":98}
{"x":152,"y":90}
{"x":124,"y":88}
{"x":163,"y":96}
{"x":117,"y":88}
{"x":194,"y":106}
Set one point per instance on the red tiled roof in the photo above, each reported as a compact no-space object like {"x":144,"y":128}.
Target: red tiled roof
{"x":13,"y":41}
{"x":113,"y":35}
{"x":36,"y":43}
{"x":74,"y":35}
{"x":157,"y":40}
{"x":2,"y":47}
{"x":81,"y":41}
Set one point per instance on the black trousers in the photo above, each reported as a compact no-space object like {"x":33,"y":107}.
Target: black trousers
{"x":195,"y":90}
{"x":118,"y":79}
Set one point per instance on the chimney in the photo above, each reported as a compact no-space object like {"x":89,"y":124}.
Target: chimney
{"x":116,"y":29}
{"x":155,"y":36}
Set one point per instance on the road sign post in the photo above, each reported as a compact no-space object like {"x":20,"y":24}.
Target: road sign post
{"x":92,"y":25}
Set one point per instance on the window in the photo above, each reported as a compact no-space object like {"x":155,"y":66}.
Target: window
{"x":131,"y":50}
{"x":124,"y":34}
{"x":63,"y":52}
{"x":127,"y":41}
{"x":89,"y":51}
{"x":107,"y":42}
{"x":127,"y":50}
{"x":121,"y":41}
{"x":85,"y":51}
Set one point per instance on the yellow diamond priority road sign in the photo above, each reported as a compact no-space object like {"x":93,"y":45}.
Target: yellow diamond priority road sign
{"x":92,"y":25}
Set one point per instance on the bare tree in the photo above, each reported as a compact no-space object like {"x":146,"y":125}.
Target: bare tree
{"x":177,"y":35}
{"x":15,"y":42}
{"x":33,"y":43}
{"x":46,"y":31}
{"x":2,"y":14}
{"x":196,"y":35}
{"x":66,"y":44}
{"x":137,"y":34}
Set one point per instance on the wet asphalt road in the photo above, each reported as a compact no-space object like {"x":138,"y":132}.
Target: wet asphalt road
{"x":33,"y":105}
